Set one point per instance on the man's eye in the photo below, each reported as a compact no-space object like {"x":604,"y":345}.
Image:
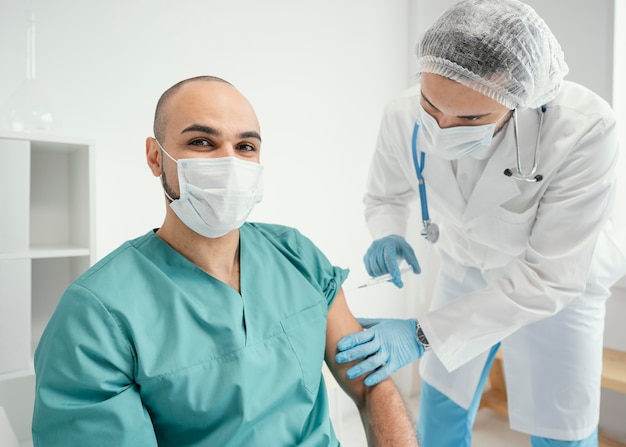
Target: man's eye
{"x":246,"y":147}
{"x":200,"y":142}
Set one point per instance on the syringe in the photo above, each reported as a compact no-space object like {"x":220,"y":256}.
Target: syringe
{"x":382,"y":278}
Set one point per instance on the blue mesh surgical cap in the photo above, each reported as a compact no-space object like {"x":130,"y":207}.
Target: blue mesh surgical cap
{"x":500,"y":48}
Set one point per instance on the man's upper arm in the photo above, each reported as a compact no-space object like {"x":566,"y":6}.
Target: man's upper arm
{"x":85,"y":393}
{"x":385,"y":419}
{"x":340,"y":323}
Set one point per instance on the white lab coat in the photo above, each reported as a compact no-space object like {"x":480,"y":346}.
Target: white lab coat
{"x":527,"y":264}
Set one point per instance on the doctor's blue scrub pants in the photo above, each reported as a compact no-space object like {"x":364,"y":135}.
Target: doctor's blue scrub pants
{"x":443,"y":423}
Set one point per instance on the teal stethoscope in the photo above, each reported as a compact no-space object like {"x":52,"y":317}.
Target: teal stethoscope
{"x":431,"y":230}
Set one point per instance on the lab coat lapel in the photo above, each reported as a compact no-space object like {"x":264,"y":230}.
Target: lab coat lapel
{"x":443,"y":188}
{"x":493,"y":187}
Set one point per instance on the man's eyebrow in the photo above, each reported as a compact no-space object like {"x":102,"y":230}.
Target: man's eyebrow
{"x":459,"y":116}
{"x":201,"y":128}
{"x":250,"y":134}
{"x":212,"y":131}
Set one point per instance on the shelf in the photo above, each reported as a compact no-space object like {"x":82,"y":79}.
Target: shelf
{"x":614,"y":370}
{"x":46,"y":242}
{"x":18,"y":374}
{"x":48,"y":139}
{"x":58,"y":251}
{"x":47,"y":239}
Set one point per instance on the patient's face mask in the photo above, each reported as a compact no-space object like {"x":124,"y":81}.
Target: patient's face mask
{"x":216,"y":194}
{"x":454,"y":142}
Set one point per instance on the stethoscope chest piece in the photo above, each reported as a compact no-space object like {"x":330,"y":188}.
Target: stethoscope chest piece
{"x":430,"y":232}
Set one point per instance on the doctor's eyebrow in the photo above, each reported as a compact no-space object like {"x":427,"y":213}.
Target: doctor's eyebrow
{"x":469,"y":117}
{"x":216,"y":133}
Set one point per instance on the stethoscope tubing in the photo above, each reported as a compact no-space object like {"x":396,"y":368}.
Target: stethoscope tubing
{"x":519,"y":172}
{"x":419,"y":167}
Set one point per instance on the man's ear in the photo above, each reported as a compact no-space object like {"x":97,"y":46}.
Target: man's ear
{"x":153,"y":156}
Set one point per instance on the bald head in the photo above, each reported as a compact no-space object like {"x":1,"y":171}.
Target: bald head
{"x":161,"y":115}
{"x":202,"y":117}
{"x":199,"y":115}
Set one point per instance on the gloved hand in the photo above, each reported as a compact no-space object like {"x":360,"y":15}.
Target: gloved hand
{"x":382,"y":258}
{"x":386,"y":344}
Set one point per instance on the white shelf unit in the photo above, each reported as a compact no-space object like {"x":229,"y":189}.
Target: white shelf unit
{"x":46,"y":241}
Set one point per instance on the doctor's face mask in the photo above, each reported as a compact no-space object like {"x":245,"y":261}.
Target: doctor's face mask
{"x":216,"y":194}
{"x":456,"y":142}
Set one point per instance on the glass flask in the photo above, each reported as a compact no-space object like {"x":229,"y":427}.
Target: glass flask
{"x":28,"y":109}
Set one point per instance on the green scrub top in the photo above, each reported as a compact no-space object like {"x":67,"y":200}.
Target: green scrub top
{"x":146,"y":349}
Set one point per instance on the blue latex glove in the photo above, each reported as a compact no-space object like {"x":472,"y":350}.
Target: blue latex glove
{"x":387,"y":345}
{"x":382,"y":258}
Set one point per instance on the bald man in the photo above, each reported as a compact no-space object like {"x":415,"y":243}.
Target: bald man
{"x":210,"y":330}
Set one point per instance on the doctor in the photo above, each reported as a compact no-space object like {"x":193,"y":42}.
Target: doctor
{"x":518,"y":169}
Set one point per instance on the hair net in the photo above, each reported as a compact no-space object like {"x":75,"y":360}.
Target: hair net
{"x":500,"y":48}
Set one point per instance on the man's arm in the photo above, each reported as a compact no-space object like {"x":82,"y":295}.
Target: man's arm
{"x":85,"y":394}
{"x":382,"y":410}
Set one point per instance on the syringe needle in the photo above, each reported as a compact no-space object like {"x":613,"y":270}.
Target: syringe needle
{"x":383,"y":278}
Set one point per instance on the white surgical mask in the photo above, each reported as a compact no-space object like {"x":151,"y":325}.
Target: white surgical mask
{"x":454,"y":142}
{"x":216,"y":194}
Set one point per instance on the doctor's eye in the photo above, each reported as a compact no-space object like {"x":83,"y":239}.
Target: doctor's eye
{"x":472,"y":118}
